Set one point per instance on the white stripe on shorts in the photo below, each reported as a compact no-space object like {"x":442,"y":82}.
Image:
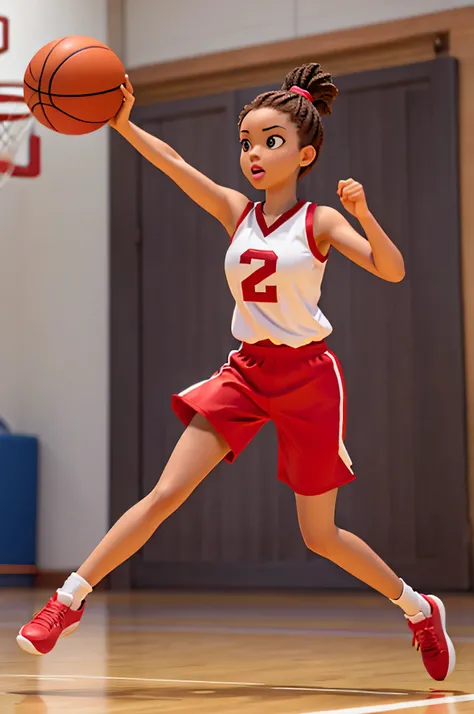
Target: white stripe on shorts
{"x":342,"y":449}
{"x":217,"y":374}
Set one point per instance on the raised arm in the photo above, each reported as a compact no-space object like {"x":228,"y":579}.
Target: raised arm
{"x":225,"y":204}
{"x":377,"y":254}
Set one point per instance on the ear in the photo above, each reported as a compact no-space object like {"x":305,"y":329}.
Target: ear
{"x":307,"y":155}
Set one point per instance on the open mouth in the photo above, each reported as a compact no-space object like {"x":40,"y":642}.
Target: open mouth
{"x":257,"y":171}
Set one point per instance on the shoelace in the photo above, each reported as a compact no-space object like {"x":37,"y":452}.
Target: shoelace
{"x":426,"y":640}
{"x":51,"y":615}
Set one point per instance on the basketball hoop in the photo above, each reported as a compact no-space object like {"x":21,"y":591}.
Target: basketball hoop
{"x":19,"y":145}
{"x":17,"y":135}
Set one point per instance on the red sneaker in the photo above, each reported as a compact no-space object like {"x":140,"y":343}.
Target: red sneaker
{"x":55,"y":620}
{"x":431,"y":638}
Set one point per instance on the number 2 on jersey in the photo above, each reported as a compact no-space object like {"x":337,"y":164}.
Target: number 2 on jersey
{"x":249,"y":285}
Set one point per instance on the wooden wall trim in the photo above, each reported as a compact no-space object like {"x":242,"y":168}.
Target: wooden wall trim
{"x":345,"y":51}
{"x":45,"y":579}
{"x":53,"y":579}
{"x":18,"y":569}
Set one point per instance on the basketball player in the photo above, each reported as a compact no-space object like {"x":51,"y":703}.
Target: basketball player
{"x":283,"y":371}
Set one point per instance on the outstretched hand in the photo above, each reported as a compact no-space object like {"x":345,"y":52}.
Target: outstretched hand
{"x":121,"y":119}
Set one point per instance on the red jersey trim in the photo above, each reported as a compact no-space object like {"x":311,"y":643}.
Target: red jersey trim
{"x":310,"y":234}
{"x":266,"y":230}
{"x":242,"y":218}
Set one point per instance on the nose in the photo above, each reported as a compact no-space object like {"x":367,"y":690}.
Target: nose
{"x":254,"y":153}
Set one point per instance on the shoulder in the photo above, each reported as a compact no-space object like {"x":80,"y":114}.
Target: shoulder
{"x":240,"y":217}
{"x":240,"y":207}
{"x":325,"y":219}
{"x":317,"y":244}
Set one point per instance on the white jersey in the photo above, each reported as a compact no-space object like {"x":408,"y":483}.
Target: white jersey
{"x":275,"y":275}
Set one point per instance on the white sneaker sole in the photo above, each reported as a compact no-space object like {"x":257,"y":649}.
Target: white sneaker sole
{"x":29,"y":647}
{"x":451,"y":650}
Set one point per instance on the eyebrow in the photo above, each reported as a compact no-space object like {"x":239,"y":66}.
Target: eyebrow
{"x":268,"y":128}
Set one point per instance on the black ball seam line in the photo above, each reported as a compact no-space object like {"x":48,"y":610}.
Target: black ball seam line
{"x":61,"y":111}
{"x":73,"y":54}
{"x":41,"y":76}
{"x":90,"y":94}
{"x":31,"y":72}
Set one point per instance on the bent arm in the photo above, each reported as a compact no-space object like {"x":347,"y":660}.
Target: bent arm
{"x":377,"y":254}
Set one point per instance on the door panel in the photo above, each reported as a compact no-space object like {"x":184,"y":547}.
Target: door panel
{"x":400,"y":345}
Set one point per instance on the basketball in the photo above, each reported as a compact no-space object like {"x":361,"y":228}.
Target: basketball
{"x":72,"y":85}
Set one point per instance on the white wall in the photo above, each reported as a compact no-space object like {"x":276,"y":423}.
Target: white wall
{"x":160,"y":30}
{"x":54,"y":301}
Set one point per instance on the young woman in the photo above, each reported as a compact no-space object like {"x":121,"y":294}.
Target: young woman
{"x":283,"y":370}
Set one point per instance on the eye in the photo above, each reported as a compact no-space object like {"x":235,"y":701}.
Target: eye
{"x":274,"y":142}
{"x":246,"y":145}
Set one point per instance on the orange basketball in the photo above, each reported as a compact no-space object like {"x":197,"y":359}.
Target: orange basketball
{"x":72,"y":85}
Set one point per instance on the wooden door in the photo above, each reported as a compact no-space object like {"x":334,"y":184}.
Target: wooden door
{"x":400,"y":345}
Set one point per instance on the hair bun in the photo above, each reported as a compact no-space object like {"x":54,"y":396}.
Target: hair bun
{"x":318,"y":83}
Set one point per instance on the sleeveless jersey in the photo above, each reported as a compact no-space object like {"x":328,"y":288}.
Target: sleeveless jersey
{"x":275,"y":275}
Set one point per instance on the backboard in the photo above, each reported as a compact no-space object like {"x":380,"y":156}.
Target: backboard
{"x":4,"y":35}
{"x":20,"y":147}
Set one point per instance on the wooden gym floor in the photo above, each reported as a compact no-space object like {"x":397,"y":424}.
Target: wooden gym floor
{"x":148,"y":653}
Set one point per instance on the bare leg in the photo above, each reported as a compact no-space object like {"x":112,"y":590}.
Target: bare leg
{"x":321,"y":535}
{"x":426,"y":615}
{"x":198,"y":451}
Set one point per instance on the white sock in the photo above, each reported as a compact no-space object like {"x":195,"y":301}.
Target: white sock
{"x":413,"y":604}
{"x":76,"y":587}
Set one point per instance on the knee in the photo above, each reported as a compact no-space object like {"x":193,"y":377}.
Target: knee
{"x":322,"y":542}
{"x":163,"y":501}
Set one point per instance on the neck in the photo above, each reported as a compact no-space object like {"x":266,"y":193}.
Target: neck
{"x":279,"y":199}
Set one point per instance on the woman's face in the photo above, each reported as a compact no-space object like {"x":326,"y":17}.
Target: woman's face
{"x":271,"y":155}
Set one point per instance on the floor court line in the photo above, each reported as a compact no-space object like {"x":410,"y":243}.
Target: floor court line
{"x":380,"y":708}
{"x":150,"y":680}
{"x":191,"y":629}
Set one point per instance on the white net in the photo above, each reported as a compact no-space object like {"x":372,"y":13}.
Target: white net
{"x":16,"y":125}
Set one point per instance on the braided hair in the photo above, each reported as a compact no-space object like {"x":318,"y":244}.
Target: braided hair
{"x":305,"y":115}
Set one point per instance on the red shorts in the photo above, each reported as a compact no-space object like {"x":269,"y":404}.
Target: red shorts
{"x":300,"y":389}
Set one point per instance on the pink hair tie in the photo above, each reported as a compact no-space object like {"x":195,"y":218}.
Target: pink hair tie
{"x":302,"y":92}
